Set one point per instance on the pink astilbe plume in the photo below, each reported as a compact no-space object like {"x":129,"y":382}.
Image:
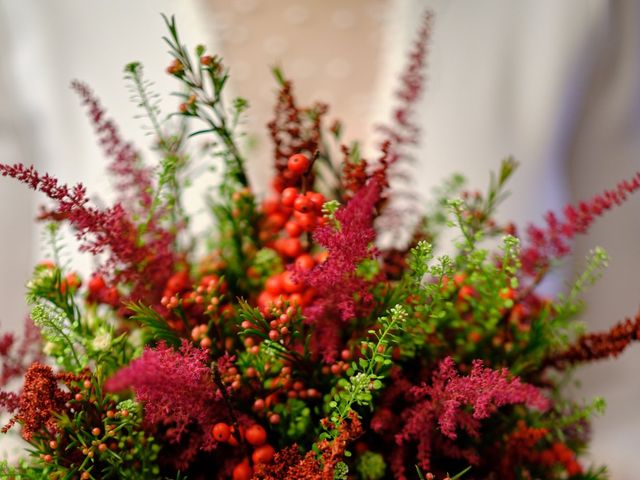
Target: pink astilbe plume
{"x":145,"y":265}
{"x":554,"y":240}
{"x":18,"y":353}
{"x":335,"y":281}
{"x":403,"y":132}
{"x":178,"y":394}
{"x":443,"y":406}
{"x":133,"y":180}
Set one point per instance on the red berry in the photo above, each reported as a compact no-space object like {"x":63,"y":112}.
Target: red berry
{"x":296,"y":299}
{"x":305,"y":262}
{"x":293,"y":228}
{"x":242,"y":471}
{"x":459,"y":278}
{"x":276,"y":220}
{"x":221,"y":432}
{"x":178,"y":281}
{"x":71,"y":281}
{"x":321,"y":256}
{"x":289,"y":284}
{"x":265,"y":300}
{"x":573,"y":468}
{"x":110,"y":296}
{"x":317,"y":199}
{"x":274,"y":284}
{"x":465,"y":292}
{"x":306,"y":220}
{"x":233,"y":441}
{"x":298,"y":163}
{"x":302,"y":204}
{"x":308,"y":296}
{"x":270,"y":205}
{"x":291,"y":247}
{"x":289,"y":196}
{"x":96,"y":284}
{"x":274,"y":335}
{"x":274,"y":419}
{"x":256,"y":435}
{"x":507,"y":293}
{"x":278,"y":183}
{"x":263,"y":454}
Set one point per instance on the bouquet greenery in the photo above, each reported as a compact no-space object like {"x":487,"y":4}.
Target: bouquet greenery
{"x":289,"y":343}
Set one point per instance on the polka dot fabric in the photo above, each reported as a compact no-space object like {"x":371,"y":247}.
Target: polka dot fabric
{"x":330,"y":48}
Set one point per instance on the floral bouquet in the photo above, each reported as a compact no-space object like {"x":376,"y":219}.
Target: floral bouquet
{"x":290,"y":343}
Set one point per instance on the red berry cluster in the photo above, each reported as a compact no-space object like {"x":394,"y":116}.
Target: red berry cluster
{"x":282,"y":387}
{"x":560,"y":454}
{"x":282,"y":319}
{"x":288,"y":216}
{"x":99,"y":292}
{"x":197,"y":303}
{"x":254,"y":436}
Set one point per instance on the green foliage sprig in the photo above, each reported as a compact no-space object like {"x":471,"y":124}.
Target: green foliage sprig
{"x":366,"y":374}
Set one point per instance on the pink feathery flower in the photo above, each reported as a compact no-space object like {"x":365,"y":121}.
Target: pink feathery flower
{"x":553,"y":241}
{"x":402,"y":133}
{"x":339,"y":291}
{"x":18,"y":353}
{"x":133,"y":180}
{"x":178,"y":393}
{"x":145,"y":265}
{"x":443,"y":405}
{"x":403,"y":130}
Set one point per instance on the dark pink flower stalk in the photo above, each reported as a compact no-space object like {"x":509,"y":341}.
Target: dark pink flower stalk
{"x":443,"y":406}
{"x":338,"y":289}
{"x":178,"y":394}
{"x":17,"y":354}
{"x":553,"y":241}
{"x":133,"y":180}
{"x":145,"y":265}
{"x":403,"y":132}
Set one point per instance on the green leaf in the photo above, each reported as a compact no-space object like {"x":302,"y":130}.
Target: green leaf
{"x":155,"y":324}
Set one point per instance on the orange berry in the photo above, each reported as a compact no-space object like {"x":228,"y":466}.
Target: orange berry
{"x":263,"y":454}
{"x":221,"y":432}
{"x":289,"y":284}
{"x":306,"y":220}
{"x":242,"y":471}
{"x":302,"y":204}
{"x":256,"y":435}
{"x":291,"y":247}
{"x":289,"y":196}
{"x":273,"y":284}
{"x":305,"y":262}
{"x":298,"y":163}
{"x":293,"y":228}
{"x":317,"y":199}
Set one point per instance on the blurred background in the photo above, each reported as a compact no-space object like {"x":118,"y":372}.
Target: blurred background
{"x":556,"y":84}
